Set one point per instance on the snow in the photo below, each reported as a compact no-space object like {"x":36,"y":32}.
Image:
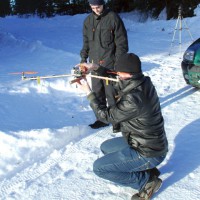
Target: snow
{"x":46,"y":147}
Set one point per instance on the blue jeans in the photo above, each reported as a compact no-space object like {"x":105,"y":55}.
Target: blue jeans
{"x":124,"y":165}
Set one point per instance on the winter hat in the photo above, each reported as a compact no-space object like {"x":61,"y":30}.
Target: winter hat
{"x":96,"y":2}
{"x":128,"y":62}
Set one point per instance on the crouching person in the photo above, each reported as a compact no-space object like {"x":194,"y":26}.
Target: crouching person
{"x":131,"y":160}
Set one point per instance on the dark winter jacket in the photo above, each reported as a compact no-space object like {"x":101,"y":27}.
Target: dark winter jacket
{"x":139,"y":114}
{"x":104,"y":39}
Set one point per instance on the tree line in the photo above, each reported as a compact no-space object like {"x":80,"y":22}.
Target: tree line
{"x":50,"y":8}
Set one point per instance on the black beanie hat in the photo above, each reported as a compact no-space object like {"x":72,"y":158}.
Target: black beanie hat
{"x":128,"y":62}
{"x":96,"y":2}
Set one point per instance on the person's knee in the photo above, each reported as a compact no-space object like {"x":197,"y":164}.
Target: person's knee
{"x":105,"y":146}
{"x":97,"y":168}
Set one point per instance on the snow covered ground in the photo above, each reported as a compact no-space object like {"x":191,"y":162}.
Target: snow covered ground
{"x":46,"y":146}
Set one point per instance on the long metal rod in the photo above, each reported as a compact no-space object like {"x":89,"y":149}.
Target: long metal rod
{"x":67,"y":75}
{"x":24,"y":78}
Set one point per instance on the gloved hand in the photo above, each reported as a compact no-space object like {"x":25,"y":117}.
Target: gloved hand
{"x":87,"y":67}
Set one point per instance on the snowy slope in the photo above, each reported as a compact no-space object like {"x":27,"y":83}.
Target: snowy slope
{"x":46,"y":146}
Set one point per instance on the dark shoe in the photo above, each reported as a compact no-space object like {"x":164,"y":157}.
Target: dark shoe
{"x":98,"y":124}
{"x":116,"y":128}
{"x":149,"y":189}
{"x":154,"y":172}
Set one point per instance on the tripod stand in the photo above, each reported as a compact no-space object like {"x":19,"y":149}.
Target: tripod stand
{"x":180,"y":22}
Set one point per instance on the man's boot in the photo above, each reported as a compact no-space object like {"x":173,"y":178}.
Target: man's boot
{"x":151,"y":187}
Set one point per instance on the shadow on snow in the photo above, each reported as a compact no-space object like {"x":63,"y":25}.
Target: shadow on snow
{"x":185,"y":157}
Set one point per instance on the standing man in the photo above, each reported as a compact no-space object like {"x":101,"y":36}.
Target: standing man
{"x":131,"y":160}
{"x":104,"y":40}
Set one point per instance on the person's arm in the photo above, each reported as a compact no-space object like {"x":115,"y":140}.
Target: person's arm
{"x":92,"y":67}
{"x":122,"y":111}
{"x":85,"y":48}
{"x":121,"y":38}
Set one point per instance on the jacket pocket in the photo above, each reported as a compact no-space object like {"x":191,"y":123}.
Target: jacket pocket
{"x":107,"y":37}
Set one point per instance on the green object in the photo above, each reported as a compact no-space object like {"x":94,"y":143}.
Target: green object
{"x":194,"y":78}
{"x":191,"y":64}
{"x":197,"y":58}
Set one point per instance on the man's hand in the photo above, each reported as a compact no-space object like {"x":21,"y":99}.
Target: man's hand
{"x":84,"y":86}
{"x":87,"y":67}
